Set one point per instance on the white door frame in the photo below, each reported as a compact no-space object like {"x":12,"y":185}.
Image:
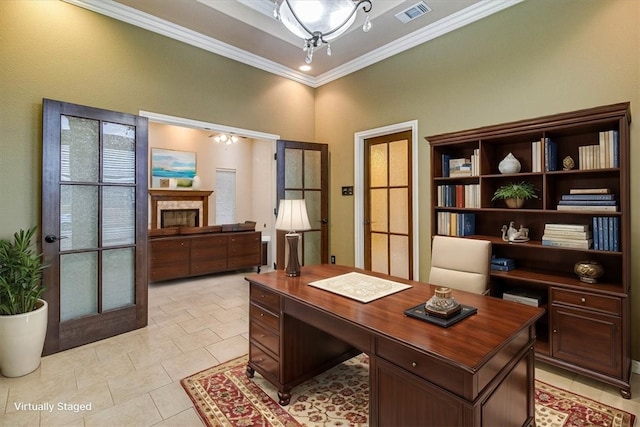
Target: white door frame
{"x":358,"y":191}
{"x":214,"y":127}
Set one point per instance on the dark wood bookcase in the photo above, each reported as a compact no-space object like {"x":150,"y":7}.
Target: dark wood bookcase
{"x":586,"y":328}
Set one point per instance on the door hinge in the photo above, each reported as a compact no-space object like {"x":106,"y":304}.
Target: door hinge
{"x":275,"y":156}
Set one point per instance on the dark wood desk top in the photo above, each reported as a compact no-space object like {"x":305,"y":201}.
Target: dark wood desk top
{"x":468,"y":344}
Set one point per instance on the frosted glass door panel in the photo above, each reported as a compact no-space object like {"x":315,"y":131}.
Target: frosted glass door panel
{"x":312,"y":167}
{"x":118,"y":216}
{"x":398,"y":165}
{"x":118,"y":278}
{"x":118,"y":155}
{"x":311,"y":246}
{"x":379,"y":253}
{"x":79,"y":149}
{"x":312,"y":200}
{"x":78,"y":285}
{"x":399,"y":246}
{"x":378,"y":165}
{"x":293,"y":195}
{"x":398,"y":208}
{"x":293,"y":173}
{"x":379,"y":210}
{"x":78,"y":217}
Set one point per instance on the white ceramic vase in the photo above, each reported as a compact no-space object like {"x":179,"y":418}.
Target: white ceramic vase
{"x":22,"y":340}
{"x":195,"y":184}
{"x":509,"y":164}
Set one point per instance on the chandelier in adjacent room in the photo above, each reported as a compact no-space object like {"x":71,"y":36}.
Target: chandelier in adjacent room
{"x":223,"y":138}
{"x":320,"y":21}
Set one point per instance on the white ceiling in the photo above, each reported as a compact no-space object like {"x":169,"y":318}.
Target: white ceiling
{"x":245,"y":30}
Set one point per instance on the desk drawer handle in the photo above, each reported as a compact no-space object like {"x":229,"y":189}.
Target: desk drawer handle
{"x":261,"y":314}
{"x":414,"y":364}
{"x":583,"y":300}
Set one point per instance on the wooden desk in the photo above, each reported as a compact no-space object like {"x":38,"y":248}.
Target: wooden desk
{"x":477,"y":372}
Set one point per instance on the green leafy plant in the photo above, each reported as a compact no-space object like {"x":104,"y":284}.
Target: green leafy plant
{"x":520,"y":190}
{"x":20,"y":274}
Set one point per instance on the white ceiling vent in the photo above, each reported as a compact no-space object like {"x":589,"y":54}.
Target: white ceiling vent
{"x":415,"y":11}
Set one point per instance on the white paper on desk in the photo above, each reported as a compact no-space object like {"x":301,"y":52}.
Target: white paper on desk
{"x":360,"y":287}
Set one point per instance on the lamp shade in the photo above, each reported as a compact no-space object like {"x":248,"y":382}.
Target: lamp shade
{"x":292,"y":215}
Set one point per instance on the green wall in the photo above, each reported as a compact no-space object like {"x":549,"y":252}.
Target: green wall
{"x":533,"y":59}
{"x":536,"y":58}
{"x":51,"y":49}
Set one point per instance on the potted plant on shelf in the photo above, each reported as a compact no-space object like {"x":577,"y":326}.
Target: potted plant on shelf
{"x":514,"y":194}
{"x":23,"y":313}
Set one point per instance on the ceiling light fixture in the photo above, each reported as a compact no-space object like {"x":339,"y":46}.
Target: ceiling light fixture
{"x":223,"y":138}
{"x":319,"y":22}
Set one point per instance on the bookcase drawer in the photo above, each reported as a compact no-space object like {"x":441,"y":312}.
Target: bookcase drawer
{"x":587,"y":300}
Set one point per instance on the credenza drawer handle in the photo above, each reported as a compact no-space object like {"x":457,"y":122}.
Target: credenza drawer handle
{"x":414,"y":364}
{"x":583,"y":300}
{"x":261,"y":314}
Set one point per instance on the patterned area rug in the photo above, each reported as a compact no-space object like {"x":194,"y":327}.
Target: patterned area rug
{"x":224,"y":396}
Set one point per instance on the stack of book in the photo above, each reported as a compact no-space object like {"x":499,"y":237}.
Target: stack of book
{"x":461,"y":167}
{"x":606,"y":232}
{"x":456,"y":224}
{"x":576,"y":236}
{"x":502,"y":264}
{"x":588,"y":199}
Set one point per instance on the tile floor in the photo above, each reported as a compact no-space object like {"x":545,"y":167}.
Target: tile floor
{"x":134,"y":379}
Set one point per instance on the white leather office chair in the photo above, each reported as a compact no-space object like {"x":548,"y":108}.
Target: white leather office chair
{"x":460,"y":263}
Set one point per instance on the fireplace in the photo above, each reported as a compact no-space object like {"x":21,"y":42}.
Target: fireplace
{"x":179,"y":218}
{"x":179,"y":208}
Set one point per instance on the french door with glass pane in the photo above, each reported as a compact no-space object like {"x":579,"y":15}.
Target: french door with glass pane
{"x":388,"y":205}
{"x":303,"y":173}
{"x":94,"y":223}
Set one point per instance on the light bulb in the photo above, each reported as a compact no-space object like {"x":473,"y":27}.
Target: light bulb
{"x":309,"y":57}
{"x":329,"y":49}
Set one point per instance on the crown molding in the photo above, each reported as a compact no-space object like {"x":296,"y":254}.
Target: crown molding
{"x":132,"y":16}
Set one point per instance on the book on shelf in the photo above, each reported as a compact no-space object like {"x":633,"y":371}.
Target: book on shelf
{"x":535,"y":157}
{"x":587,"y":208}
{"x":600,"y":202}
{"x":589,"y":191}
{"x":530,"y":297}
{"x":498,"y":267}
{"x":571,"y":227}
{"x":567,"y":243}
{"x":608,"y":146}
{"x":502,"y":261}
{"x":588,"y":196}
{"x":445,"y":165}
{"x":568,"y":234}
{"x":459,"y":167}
{"x":550,"y":155}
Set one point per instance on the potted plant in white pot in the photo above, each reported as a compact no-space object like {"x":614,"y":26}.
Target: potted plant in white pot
{"x":23,"y":313}
{"x":515,"y":193}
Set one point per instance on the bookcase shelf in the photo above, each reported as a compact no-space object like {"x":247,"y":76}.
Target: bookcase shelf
{"x":579,"y":315}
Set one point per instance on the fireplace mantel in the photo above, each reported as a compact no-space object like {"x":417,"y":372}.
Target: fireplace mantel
{"x":200,"y":197}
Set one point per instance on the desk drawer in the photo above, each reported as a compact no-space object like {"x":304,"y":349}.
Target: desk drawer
{"x":260,"y":315}
{"x":586,"y":300}
{"x":265,"y":337}
{"x":263,"y":363}
{"x":265,"y":298}
{"x":422,"y":365}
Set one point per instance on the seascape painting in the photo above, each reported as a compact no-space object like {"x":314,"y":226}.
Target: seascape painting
{"x":171,"y":168}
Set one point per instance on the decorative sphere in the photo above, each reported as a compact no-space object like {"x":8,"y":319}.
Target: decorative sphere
{"x":568,"y":163}
{"x":588,"y":271}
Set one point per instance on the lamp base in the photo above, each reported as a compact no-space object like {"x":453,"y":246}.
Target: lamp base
{"x":293,"y":266}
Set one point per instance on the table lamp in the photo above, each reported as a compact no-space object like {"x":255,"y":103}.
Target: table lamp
{"x":292,"y":217}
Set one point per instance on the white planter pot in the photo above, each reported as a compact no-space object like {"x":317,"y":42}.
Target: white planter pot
{"x":22,"y":340}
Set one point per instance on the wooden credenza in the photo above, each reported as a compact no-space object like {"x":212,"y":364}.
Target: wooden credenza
{"x":180,"y":256}
{"x":479,"y":372}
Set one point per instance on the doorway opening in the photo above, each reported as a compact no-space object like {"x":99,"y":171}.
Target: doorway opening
{"x":254,"y":167}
